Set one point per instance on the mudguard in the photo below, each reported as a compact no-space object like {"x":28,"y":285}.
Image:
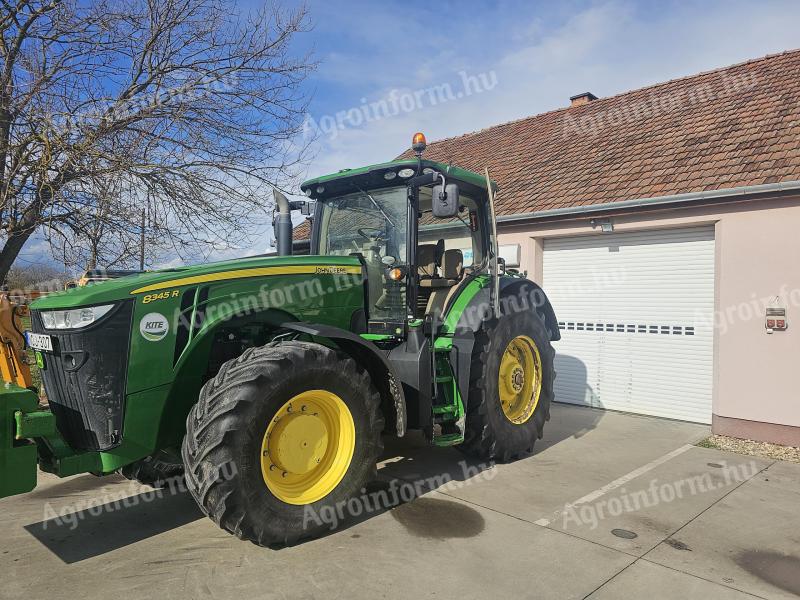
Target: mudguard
{"x":516,"y":293}
{"x":536,"y":298}
{"x":370,"y":357}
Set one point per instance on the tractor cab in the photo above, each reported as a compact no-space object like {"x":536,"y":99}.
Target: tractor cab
{"x":425,"y":235}
{"x":422,"y":229}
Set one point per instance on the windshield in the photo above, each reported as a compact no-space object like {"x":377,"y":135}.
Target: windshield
{"x":373,"y":223}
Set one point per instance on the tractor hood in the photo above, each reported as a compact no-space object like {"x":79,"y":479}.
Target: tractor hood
{"x":132,"y":286}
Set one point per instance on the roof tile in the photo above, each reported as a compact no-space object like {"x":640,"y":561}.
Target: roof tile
{"x":726,"y":128}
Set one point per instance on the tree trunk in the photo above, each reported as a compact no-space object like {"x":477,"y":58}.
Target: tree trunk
{"x":91,"y":264}
{"x":24,"y":228}
{"x":11,"y":249}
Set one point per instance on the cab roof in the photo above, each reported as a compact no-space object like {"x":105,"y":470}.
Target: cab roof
{"x":372,"y":176}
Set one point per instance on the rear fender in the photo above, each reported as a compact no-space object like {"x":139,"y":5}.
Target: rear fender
{"x":516,"y":294}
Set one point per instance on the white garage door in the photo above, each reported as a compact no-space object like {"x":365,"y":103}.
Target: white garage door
{"x":635,"y":312}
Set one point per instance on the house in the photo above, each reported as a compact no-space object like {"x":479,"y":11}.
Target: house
{"x":664,"y":224}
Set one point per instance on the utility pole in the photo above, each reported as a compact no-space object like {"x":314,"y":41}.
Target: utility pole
{"x":141,"y":242}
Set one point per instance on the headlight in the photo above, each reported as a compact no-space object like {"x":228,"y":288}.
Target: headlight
{"x":75,"y":318}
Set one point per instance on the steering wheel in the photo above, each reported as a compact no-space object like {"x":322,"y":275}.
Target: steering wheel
{"x":378,"y":236}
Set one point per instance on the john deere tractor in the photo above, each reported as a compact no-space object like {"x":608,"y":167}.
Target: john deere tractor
{"x":268,"y":382}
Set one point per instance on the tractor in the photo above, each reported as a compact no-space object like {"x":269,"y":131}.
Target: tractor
{"x":269,"y":382}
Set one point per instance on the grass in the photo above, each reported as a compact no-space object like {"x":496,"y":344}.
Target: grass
{"x":751,"y":448}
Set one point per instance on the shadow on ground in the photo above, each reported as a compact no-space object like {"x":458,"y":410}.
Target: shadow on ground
{"x":101,"y":528}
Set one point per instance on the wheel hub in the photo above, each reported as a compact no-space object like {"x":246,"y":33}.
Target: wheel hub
{"x":308,"y":446}
{"x":298,"y":443}
{"x":520,"y":379}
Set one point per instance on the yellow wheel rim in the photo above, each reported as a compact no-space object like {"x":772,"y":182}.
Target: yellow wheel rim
{"x":308,"y":447}
{"x":520,"y":379}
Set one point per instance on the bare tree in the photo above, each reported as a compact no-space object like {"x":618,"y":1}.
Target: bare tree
{"x":106,"y":233}
{"x":36,"y":277}
{"x":110,"y":106}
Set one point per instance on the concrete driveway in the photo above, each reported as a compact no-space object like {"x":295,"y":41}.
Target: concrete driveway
{"x":609,"y":505}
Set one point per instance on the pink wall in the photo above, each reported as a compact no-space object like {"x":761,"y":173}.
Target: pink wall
{"x":756,"y":375}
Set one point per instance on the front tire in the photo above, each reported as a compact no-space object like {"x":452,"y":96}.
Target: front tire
{"x":282,"y":434}
{"x":162,"y":469}
{"x":511,"y":387}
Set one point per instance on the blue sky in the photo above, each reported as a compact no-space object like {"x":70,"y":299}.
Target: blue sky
{"x":535,"y":55}
{"x":540,"y":54}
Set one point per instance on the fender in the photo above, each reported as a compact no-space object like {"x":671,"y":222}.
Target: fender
{"x":369,"y":355}
{"x":536,"y":298}
{"x":472,"y":307}
{"x":516,"y":293}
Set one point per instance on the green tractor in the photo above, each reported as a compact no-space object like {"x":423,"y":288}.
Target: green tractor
{"x":268,"y":382}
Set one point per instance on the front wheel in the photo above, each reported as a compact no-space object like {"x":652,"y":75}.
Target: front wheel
{"x":162,"y":469}
{"x":511,"y":387}
{"x":282,"y":435}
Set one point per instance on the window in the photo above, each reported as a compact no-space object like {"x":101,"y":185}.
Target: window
{"x":456,"y":232}
{"x":375,"y":225}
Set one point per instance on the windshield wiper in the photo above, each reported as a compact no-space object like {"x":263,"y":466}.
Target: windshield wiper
{"x":371,"y":199}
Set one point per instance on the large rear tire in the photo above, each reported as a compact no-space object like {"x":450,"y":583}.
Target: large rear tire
{"x":511,"y":387}
{"x":283,"y":434}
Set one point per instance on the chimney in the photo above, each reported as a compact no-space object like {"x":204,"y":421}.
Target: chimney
{"x":581,"y":99}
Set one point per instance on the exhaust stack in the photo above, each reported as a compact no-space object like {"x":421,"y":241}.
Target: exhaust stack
{"x":283,"y":223}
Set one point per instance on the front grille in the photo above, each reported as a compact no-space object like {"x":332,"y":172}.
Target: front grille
{"x":85,"y":379}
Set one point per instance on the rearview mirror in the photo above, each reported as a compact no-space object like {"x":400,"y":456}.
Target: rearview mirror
{"x":445,"y":201}
{"x":308,"y":208}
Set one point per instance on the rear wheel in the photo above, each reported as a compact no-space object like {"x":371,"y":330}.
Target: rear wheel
{"x":511,"y":387}
{"x":283,"y":434}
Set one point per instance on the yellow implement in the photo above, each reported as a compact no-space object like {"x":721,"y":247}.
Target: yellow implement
{"x":13,"y":358}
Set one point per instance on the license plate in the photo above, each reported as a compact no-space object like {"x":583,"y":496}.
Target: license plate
{"x":40,"y":341}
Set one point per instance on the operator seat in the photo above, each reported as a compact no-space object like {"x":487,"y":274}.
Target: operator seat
{"x":429,"y":259}
{"x":445,"y":287}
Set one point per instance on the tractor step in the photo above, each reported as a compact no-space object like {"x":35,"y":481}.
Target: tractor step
{"x":446,"y":439}
{"x":451,"y":439}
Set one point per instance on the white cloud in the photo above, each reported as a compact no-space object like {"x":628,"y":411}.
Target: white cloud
{"x":607,"y":49}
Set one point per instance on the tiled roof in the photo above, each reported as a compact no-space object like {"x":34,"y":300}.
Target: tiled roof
{"x":731,"y":127}
{"x":302,"y":231}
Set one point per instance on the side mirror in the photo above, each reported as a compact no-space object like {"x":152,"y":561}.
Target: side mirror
{"x":501,"y":265}
{"x":445,"y":201}
{"x":307,"y":209}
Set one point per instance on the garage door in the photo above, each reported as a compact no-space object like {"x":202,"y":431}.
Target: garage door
{"x":635,"y":312}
